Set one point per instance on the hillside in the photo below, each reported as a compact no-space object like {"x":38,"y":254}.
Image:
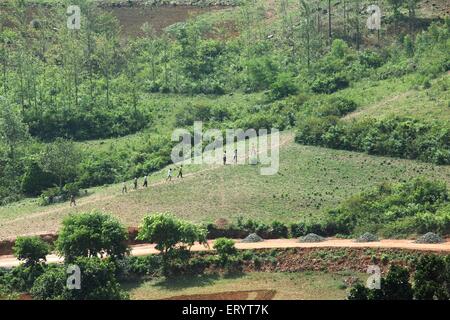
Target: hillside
{"x":235,"y":68}
{"x":310,"y":179}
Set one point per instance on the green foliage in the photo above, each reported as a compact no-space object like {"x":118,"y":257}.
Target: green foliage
{"x":225,"y":248}
{"x":50,"y":285}
{"x":98,"y":282}
{"x":13,"y":130}
{"x":394,"y":210}
{"x":61,"y":159}
{"x":329,"y":84}
{"x":279,"y":229}
{"x":31,"y":249}
{"x":35,"y":180}
{"x":336,"y":106}
{"x":167,"y":231}
{"x":91,"y":234}
{"x":282,"y":87}
{"x":432,"y":278}
{"x":396,"y":137}
{"x":395,"y":286}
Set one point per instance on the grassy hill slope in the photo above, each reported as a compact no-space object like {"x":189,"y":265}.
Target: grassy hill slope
{"x":310,"y":179}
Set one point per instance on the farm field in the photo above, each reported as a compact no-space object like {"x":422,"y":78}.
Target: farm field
{"x":251,"y":286}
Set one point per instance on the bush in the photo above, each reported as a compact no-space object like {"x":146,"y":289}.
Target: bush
{"x":394,"y":210}
{"x":279,"y":230}
{"x":34,"y":180}
{"x":283,"y":86}
{"x":224,"y":247}
{"x":50,"y":285}
{"x":98,"y":282}
{"x":336,"y":106}
{"x":396,"y":137}
{"x":31,"y":249}
{"x":329,"y":84}
{"x":92,"y":234}
{"x":395,"y":286}
{"x":432,"y":278}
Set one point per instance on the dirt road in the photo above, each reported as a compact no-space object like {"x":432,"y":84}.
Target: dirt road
{"x":146,"y":249}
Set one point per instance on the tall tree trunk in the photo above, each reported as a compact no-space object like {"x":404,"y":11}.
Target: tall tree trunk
{"x":329,"y":22}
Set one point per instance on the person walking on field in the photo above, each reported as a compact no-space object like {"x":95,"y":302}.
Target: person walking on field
{"x":135,"y":183}
{"x":124,"y":188}
{"x":180,"y":172}
{"x":224,"y":158}
{"x":169,"y":175}
{"x":72,"y":200}
{"x":235,"y":156}
{"x":145,"y":185}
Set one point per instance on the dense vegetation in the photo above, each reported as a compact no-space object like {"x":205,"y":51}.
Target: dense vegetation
{"x":392,"y":210}
{"x":430,"y":282}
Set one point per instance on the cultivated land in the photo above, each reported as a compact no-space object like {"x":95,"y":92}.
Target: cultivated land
{"x":310,"y":179}
{"x":251,"y":286}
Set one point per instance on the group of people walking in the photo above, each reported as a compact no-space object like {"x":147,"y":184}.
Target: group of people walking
{"x":145,"y":184}
{"x":170,"y":172}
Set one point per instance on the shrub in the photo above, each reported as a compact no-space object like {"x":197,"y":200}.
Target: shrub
{"x":395,"y":286}
{"x":50,"y":285}
{"x":283,"y":86}
{"x":397,"y":137}
{"x":224,"y":247}
{"x":279,"y":230}
{"x":394,"y":210}
{"x":329,"y":84}
{"x":31,"y":249}
{"x":34,"y":180}
{"x":431,"y":278}
{"x":98,"y":282}
{"x":336,"y":106}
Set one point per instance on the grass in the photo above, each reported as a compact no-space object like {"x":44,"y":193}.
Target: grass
{"x":310,"y":180}
{"x":401,"y":97}
{"x":291,"y":286}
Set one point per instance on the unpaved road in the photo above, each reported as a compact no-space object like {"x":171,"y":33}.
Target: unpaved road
{"x":146,"y":249}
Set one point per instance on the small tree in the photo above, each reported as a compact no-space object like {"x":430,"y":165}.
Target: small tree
{"x":12,"y":128}
{"x":396,"y":285}
{"x":90,"y":235}
{"x":167,"y":231}
{"x":31,"y":249}
{"x":60,"y":158}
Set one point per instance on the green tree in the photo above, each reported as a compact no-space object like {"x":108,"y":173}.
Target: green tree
{"x":92,"y":234}
{"x":396,"y":285}
{"x":431,"y":280}
{"x":61,"y":159}
{"x":12,"y":128}
{"x":31,"y":249}
{"x":98,"y":282}
{"x":167,"y":231}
